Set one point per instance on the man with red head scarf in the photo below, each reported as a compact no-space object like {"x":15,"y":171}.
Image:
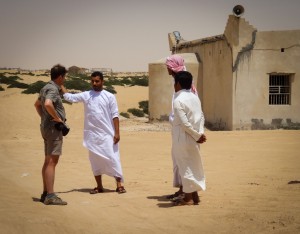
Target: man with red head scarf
{"x":175,"y":64}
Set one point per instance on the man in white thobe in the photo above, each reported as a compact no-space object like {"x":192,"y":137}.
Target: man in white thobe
{"x":175,"y":64}
{"x":187,"y":133}
{"x":101,"y":131}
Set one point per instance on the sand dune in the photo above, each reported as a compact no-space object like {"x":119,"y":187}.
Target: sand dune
{"x":247,"y":178}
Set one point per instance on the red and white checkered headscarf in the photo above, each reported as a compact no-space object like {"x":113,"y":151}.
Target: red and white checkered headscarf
{"x":176,"y":63}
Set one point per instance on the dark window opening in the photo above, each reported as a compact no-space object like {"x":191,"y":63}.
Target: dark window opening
{"x":279,"y":89}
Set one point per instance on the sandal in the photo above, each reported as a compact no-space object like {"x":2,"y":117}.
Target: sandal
{"x":179,"y":197}
{"x":120,"y":189}
{"x":182,"y":202}
{"x":172,"y":195}
{"x":176,"y":194}
{"x":97,"y":190}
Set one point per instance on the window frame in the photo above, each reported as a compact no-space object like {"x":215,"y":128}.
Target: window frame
{"x":280,"y":89}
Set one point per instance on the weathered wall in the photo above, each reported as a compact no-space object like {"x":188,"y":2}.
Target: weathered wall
{"x":233,"y":76}
{"x":214,"y":80}
{"x":161,"y":86}
{"x":252,"y":109}
{"x":236,"y":76}
{"x":240,"y":36}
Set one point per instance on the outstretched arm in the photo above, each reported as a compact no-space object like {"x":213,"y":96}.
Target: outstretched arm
{"x":78,"y":97}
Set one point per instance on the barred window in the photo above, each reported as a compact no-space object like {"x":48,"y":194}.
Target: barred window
{"x":279,"y":89}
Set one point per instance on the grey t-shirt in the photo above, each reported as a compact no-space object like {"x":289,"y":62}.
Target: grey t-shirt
{"x":51,"y":91}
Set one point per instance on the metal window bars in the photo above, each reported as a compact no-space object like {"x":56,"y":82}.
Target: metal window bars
{"x":279,"y":89}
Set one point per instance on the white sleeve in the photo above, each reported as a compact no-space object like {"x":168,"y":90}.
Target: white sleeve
{"x":77,"y":97}
{"x":187,"y":126}
{"x":114,"y":107}
{"x":202,"y":120}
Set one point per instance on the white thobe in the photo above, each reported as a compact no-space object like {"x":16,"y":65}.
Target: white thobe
{"x":187,"y":128}
{"x":176,"y":176}
{"x":100,"y":108}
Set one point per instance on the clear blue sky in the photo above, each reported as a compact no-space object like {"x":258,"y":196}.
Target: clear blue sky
{"x":125,"y":35}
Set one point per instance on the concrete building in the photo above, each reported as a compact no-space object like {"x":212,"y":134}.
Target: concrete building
{"x":246,"y":79}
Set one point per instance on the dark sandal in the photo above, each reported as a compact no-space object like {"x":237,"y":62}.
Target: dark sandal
{"x":173,"y":195}
{"x":96,"y":190}
{"x":179,"y":197}
{"x":120,"y":189}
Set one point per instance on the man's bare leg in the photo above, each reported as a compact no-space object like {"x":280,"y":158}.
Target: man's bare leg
{"x":99,"y":188}
{"x":99,"y":181}
{"x":48,"y":172}
{"x":188,"y":197}
{"x":118,"y":181}
{"x":195,"y":197}
{"x":120,"y":188}
{"x":180,"y":190}
{"x":44,"y":175}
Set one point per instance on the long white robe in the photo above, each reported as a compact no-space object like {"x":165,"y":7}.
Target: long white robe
{"x":100,"y":108}
{"x":176,"y":176}
{"x":187,"y":127}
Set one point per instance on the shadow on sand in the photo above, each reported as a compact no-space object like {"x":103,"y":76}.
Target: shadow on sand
{"x":82,"y":190}
{"x":163,"y":201}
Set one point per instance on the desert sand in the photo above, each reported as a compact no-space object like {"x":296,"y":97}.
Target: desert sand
{"x":248,"y":175}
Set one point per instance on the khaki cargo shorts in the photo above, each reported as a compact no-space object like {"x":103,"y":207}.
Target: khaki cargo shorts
{"x":53,"y":140}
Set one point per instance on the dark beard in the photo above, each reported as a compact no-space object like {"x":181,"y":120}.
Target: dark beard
{"x":97,"y":89}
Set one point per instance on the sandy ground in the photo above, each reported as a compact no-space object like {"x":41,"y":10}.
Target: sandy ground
{"x":247,"y":178}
